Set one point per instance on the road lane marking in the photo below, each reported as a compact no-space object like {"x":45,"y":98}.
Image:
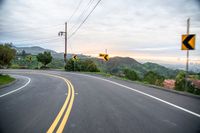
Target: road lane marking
{"x":143,"y":93}
{"x":66,"y":116}
{"x":70,"y":100}
{"x":29,"y":80}
{"x":58,"y":117}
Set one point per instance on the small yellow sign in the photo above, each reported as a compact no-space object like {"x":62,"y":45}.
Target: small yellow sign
{"x":105,"y":56}
{"x":188,"y":42}
{"x":75,"y":57}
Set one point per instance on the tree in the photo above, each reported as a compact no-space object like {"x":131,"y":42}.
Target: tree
{"x":23,"y":53}
{"x":45,"y":58}
{"x":6,"y":54}
{"x":153,"y":78}
{"x":130,"y":74}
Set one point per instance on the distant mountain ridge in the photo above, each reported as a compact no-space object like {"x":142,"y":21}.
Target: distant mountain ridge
{"x":34,"y":50}
{"x":114,"y":65}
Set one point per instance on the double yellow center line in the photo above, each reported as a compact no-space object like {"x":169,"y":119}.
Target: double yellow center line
{"x":65,"y":110}
{"x":64,"y":113}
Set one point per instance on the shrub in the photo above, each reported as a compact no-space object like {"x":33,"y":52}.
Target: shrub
{"x":130,"y":74}
{"x":154,"y":78}
{"x":81,"y":65}
{"x":180,"y":81}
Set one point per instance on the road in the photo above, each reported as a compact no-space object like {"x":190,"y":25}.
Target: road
{"x":56,"y":101}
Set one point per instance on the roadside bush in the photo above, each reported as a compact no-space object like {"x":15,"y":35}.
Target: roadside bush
{"x":180,"y":81}
{"x":130,"y":74}
{"x":69,"y":65}
{"x":192,"y":88}
{"x":81,"y":65}
{"x":153,"y":78}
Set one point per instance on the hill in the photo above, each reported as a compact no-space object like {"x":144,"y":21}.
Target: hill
{"x":115,"y":65}
{"x":160,"y":69}
{"x":33,"y":50}
{"x":36,"y":50}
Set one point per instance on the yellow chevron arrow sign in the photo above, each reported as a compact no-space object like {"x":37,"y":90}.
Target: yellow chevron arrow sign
{"x":75,"y":57}
{"x":188,"y":42}
{"x":105,"y":56}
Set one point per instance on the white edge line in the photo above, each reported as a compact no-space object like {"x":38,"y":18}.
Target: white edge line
{"x":171,"y":104}
{"x":29,"y":80}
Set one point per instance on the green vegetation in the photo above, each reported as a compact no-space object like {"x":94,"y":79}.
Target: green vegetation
{"x":161,"y":70}
{"x":116,"y":66}
{"x":153,"y":78}
{"x":198,"y":75}
{"x":130,"y":74}
{"x":7,"y":53}
{"x":180,"y":81}
{"x":5,"y":79}
{"x":45,"y":58}
{"x":180,"y":84}
{"x":81,"y":65}
{"x":25,"y":63}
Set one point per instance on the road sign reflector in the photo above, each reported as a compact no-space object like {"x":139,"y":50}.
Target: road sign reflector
{"x":188,"y":42}
{"x":106,"y":57}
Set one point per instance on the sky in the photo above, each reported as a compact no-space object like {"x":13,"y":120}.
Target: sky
{"x":147,"y":30}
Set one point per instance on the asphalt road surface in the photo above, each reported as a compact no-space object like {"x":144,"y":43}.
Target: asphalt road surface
{"x":56,"y":101}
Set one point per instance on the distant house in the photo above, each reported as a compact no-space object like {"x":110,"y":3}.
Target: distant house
{"x":169,"y":83}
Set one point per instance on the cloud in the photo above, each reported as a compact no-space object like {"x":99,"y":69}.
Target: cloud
{"x":151,"y":26}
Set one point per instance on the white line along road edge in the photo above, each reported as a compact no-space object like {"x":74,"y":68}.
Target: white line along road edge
{"x":171,"y":104}
{"x":29,"y":80}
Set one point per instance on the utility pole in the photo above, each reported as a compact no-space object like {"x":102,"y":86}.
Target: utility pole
{"x":61,"y":33}
{"x":187,"y":60}
{"x":65,"y":56}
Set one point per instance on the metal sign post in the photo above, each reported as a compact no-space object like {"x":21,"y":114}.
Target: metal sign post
{"x":188,"y":43}
{"x":187,"y":60}
{"x":61,"y":33}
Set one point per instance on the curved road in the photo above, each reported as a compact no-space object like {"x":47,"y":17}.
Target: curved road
{"x":97,"y":105}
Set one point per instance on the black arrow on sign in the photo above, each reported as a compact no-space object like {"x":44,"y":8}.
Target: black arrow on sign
{"x":186,"y":41}
{"x":106,"y":57}
{"x":75,"y":57}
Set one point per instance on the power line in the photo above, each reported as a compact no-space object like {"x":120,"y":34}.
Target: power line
{"x":74,"y":32}
{"x":83,"y":13}
{"x":80,"y":2}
